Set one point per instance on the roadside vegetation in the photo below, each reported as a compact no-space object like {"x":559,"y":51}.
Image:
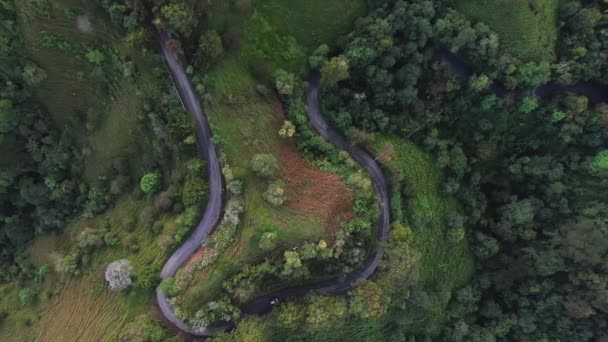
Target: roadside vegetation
{"x":437,"y":226}
{"x":528,"y":29}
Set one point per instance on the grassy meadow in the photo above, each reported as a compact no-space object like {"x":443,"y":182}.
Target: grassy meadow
{"x":526,"y":28}
{"x":283,"y":33}
{"x":445,"y":265}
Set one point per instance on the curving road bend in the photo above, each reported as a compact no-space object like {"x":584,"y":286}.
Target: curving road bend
{"x":211,"y":216}
{"x":207,"y":150}
{"x":263,"y":304}
{"x":595,"y":91}
{"x":212,"y":211}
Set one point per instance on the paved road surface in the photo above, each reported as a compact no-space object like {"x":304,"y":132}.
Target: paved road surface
{"x":214,"y":204}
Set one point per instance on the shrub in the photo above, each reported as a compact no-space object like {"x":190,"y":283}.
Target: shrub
{"x":95,"y":56}
{"x":321,"y":311}
{"x":319,"y":57}
{"x":180,"y":17}
{"x":98,"y":199}
{"x":284,"y":82}
{"x":90,"y":239}
{"x":42,"y":272}
{"x":194,"y":192}
{"x":150,"y":183}
{"x":335,"y":70}
{"x":27,"y":296}
{"x":275,"y":194}
{"x":118,"y":274}
{"x":69,"y":264}
{"x":210,"y":49}
{"x":147,"y":278}
{"x":268,"y":241}
{"x":288,"y":130}
{"x":264,"y":165}
{"x":195,"y":168}
{"x":366,"y":301}
{"x":169,"y":287}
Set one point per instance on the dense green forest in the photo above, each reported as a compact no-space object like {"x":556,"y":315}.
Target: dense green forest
{"x":489,"y":120}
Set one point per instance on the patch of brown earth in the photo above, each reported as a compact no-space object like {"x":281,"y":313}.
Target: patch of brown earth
{"x":314,"y":192}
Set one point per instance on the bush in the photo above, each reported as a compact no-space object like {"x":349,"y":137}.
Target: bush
{"x":27,"y":296}
{"x":194,"y":192}
{"x":288,"y":130}
{"x":268,"y":241}
{"x":275,"y":194}
{"x":147,"y":215}
{"x":210,"y":49}
{"x":264,"y":165}
{"x":69,"y":264}
{"x":284,"y":82}
{"x":150,"y":183}
{"x":147,"y":278}
{"x":179,"y":17}
{"x":169,"y":287}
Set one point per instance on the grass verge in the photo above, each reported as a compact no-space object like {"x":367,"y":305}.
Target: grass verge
{"x":446,"y":265}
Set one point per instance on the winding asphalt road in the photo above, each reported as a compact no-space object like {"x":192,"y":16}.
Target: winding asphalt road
{"x":596,"y":92}
{"x":214,"y":205}
{"x":208,"y":153}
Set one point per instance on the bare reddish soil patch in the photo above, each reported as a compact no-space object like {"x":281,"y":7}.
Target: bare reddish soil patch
{"x":314,"y":192}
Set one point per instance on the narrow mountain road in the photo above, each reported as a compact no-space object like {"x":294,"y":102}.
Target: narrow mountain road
{"x":370,"y":165}
{"x":212,"y":212}
{"x":211,"y":216}
{"x":213,"y":209}
{"x":595,"y":91}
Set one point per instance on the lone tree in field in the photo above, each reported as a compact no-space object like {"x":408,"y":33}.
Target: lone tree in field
{"x":118,"y":274}
{"x":150,"y":183}
{"x":265,"y":165}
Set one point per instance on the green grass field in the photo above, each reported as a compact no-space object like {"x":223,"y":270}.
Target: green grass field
{"x":445,"y":265}
{"x":527,"y":28}
{"x":268,"y":24}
